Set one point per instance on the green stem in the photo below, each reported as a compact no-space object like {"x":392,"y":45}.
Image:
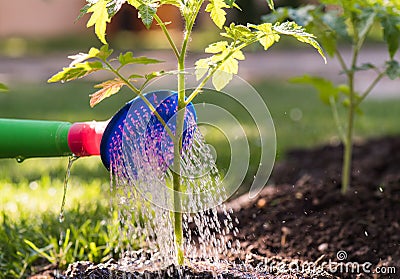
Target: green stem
{"x":369,"y":89}
{"x":348,"y":143}
{"x":168,"y":35}
{"x":338,"y":123}
{"x":178,"y":230}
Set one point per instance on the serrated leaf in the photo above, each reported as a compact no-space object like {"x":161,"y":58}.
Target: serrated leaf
{"x":108,"y":88}
{"x":104,"y":52}
{"x":217,"y":13}
{"x":267,"y":36}
{"x":128,"y":58}
{"x":366,"y":20}
{"x":3,"y":87}
{"x":239,"y":33}
{"x":202,"y":67}
{"x":146,"y":13}
{"x":227,"y":69}
{"x":99,"y":19}
{"x":225,"y":58}
{"x":391,"y":33}
{"x":326,"y":89}
{"x":393,"y":69}
{"x":77,"y":71}
{"x":217,"y":47}
{"x":292,"y":29}
{"x":220,"y":79}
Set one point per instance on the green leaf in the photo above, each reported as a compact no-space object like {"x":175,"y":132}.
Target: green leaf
{"x":271,"y":4}
{"x":393,"y":69}
{"x":267,"y":36}
{"x":217,"y":47}
{"x":83,"y":11}
{"x":225,"y":58}
{"x":77,"y":71}
{"x":99,"y":19}
{"x":154,"y":75}
{"x":325,"y":88}
{"x":292,"y":29}
{"x":391,"y":32}
{"x":108,"y":88}
{"x":217,"y":13}
{"x":128,"y":58}
{"x":230,"y":3}
{"x":365,"y":67}
{"x":133,"y":76}
{"x":239,"y":33}
{"x":202,"y":67}
{"x":146,"y":13}
{"x":3,"y":87}
{"x":220,"y":79}
{"x":365,"y":22}
{"x":104,"y":53}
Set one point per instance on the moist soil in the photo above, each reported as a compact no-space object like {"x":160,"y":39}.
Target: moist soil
{"x":301,"y":226}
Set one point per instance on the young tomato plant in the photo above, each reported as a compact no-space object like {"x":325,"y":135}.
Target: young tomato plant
{"x":219,"y":67}
{"x":348,"y":20}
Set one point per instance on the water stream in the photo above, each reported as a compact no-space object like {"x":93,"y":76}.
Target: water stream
{"x":141,"y":191}
{"x":71,"y":160}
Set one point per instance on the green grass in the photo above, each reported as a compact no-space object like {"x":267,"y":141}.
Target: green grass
{"x":31,"y":192}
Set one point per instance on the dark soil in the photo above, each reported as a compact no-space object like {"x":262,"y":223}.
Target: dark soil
{"x":304,"y":216}
{"x":303,"y":219}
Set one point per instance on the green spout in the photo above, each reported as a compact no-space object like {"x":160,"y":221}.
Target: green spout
{"x":23,"y":139}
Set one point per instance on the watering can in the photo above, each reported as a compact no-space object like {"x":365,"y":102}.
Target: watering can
{"x":23,"y":139}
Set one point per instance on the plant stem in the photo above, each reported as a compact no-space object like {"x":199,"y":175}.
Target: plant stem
{"x":348,"y":142}
{"x":178,"y":231}
{"x":372,"y":86}
{"x":348,"y":148}
{"x":168,"y":35}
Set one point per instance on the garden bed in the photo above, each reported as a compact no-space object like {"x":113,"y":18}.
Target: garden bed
{"x":302,"y":220}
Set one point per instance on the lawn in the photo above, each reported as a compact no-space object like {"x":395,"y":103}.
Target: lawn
{"x":31,"y":192}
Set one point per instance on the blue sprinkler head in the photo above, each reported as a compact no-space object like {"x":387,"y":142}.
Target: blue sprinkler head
{"x":135,"y":122}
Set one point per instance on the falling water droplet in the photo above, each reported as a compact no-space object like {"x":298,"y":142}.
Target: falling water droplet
{"x":71,"y":160}
{"x":20,"y":159}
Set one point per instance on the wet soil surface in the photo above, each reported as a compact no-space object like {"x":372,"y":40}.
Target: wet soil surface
{"x":303,"y":227}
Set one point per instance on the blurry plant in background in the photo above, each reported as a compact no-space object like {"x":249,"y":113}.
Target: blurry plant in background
{"x":3,"y":87}
{"x":348,"y":20}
